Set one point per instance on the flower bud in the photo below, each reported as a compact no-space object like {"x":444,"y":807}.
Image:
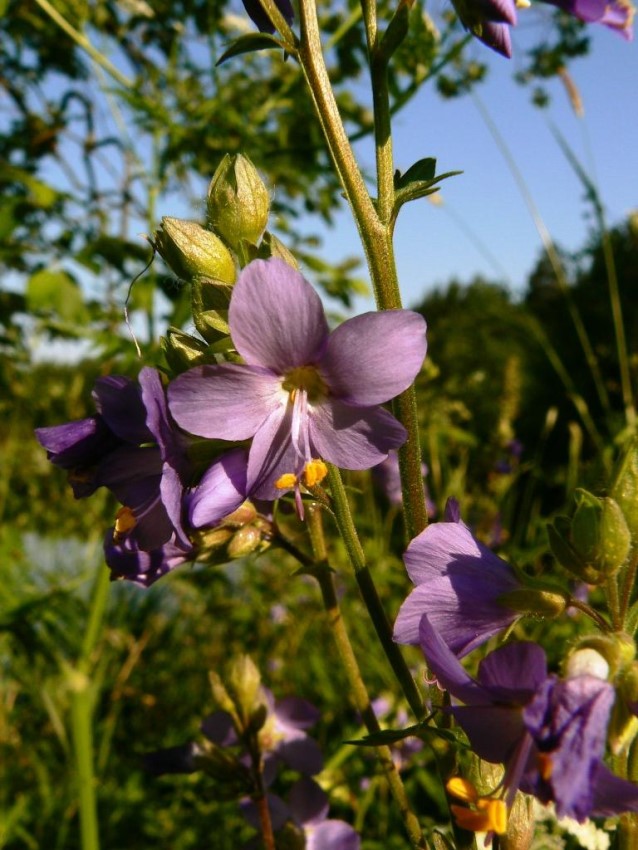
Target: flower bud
{"x":533,"y":601}
{"x":244,"y":542}
{"x":623,"y":726}
{"x":191,"y":251}
{"x":238,"y":202}
{"x":244,"y":683}
{"x":625,"y":488}
{"x":273,"y":247}
{"x":617,"y":648}
{"x":181,"y":350}
{"x":587,"y":662}
{"x":600,"y":533}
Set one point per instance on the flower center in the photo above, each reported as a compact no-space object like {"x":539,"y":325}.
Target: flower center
{"x":305,"y":378}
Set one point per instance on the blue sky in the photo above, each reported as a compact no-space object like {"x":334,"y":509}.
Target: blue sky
{"x":432,"y":243}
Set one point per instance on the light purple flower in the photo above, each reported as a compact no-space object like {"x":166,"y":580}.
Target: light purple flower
{"x":302,"y":393}
{"x":458,"y":585}
{"x":549,"y":733}
{"x":617,"y":14}
{"x":221,"y":490}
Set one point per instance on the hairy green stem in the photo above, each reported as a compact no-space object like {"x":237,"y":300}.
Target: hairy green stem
{"x":369,"y":592}
{"x":358,"y":690}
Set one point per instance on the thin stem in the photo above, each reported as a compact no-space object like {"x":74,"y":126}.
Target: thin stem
{"x":265,"y":820}
{"x":613,"y":601}
{"x":358,"y":690}
{"x":369,"y":592}
{"x":628,"y":581}
{"x":82,"y":41}
{"x":600,"y":621}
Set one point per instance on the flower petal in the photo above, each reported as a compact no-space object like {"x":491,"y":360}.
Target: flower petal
{"x":374,"y":357}
{"x":447,"y":668}
{"x":353,"y":437}
{"x":612,"y":795}
{"x":226,"y":402}
{"x":272,"y":455}
{"x":276,"y":318}
{"x":119,"y":401}
{"x":333,"y":835}
{"x":221,"y":490}
{"x":308,"y":802}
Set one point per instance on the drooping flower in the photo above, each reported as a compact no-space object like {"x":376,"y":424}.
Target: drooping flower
{"x":127,"y":561}
{"x":458,"y":585}
{"x":617,"y":14}
{"x":489,"y":21}
{"x":133,"y":448}
{"x":548,"y":732}
{"x":303,"y":394}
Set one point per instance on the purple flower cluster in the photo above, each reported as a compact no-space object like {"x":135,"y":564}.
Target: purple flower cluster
{"x":303,"y":396}
{"x":490,"y":20}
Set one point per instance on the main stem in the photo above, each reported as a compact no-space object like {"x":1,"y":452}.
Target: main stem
{"x":374,"y":222}
{"x":358,"y":690}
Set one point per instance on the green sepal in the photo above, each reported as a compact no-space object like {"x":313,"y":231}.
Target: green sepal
{"x":424,"y":169}
{"x":210,"y":301}
{"x":182,"y":351}
{"x":251,"y":43}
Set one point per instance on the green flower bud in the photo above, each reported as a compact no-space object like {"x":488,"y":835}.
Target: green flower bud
{"x":273,"y":247}
{"x":535,"y":601}
{"x":238,"y":202}
{"x":625,"y":487}
{"x":244,"y":682}
{"x":600,"y":533}
{"x":623,"y":725}
{"x":244,"y":542}
{"x":617,"y":648}
{"x":181,"y":350}
{"x":191,"y":251}
{"x":566,"y":555}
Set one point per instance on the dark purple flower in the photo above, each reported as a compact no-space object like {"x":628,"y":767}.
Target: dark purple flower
{"x":259,"y":17}
{"x":303,"y":394}
{"x":458,"y":585}
{"x":127,"y":561}
{"x":617,"y":14}
{"x":489,"y":21}
{"x":307,"y":808}
{"x":133,"y":448}
{"x":549,"y":733}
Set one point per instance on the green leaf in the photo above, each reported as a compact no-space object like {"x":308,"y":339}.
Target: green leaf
{"x":55,"y":292}
{"x":250,"y":43}
{"x":424,"y":169}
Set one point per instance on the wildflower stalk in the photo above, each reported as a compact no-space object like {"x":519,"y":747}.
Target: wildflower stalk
{"x":358,"y":690}
{"x":348,"y":532}
{"x":373,"y":223}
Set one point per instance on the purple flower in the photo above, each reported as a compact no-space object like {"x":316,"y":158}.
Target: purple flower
{"x":458,"y":585}
{"x":282,"y":738}
{"x":617,"y":14}
{"x":259,"y":17}
{"x":489,"y":21}
{"x":221,"y":490}
{"x":133,"y":448}
{"x":307,"y":808}
{"x":549,"y":733}
{"x":127,"y":561}
{"x":303,"y":394}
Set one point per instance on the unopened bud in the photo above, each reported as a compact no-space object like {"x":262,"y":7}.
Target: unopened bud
{"x":191,"y":251}
{"x":244,"y":542}
{"x":566,"y":555}
{"x":535,"y":602}
{"x":181,"y":350}
{"x":272,"y":247}
{"x":587,"y":662}
{"x":600,"y":533}
{"x":238,"y":202}
{"x":625,"y":488}
{"x":244,"y":682}
{"x":617,"y":648}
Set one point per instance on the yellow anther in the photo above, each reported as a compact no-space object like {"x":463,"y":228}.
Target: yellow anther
{"x":314,"y":472}
{"x":287,"y":481}
{"x":470,"y":819}
{"x":462,"y":789}
{"x":124,"y":522}
{"x":496,"y":811}
{"x":523,"y":4}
